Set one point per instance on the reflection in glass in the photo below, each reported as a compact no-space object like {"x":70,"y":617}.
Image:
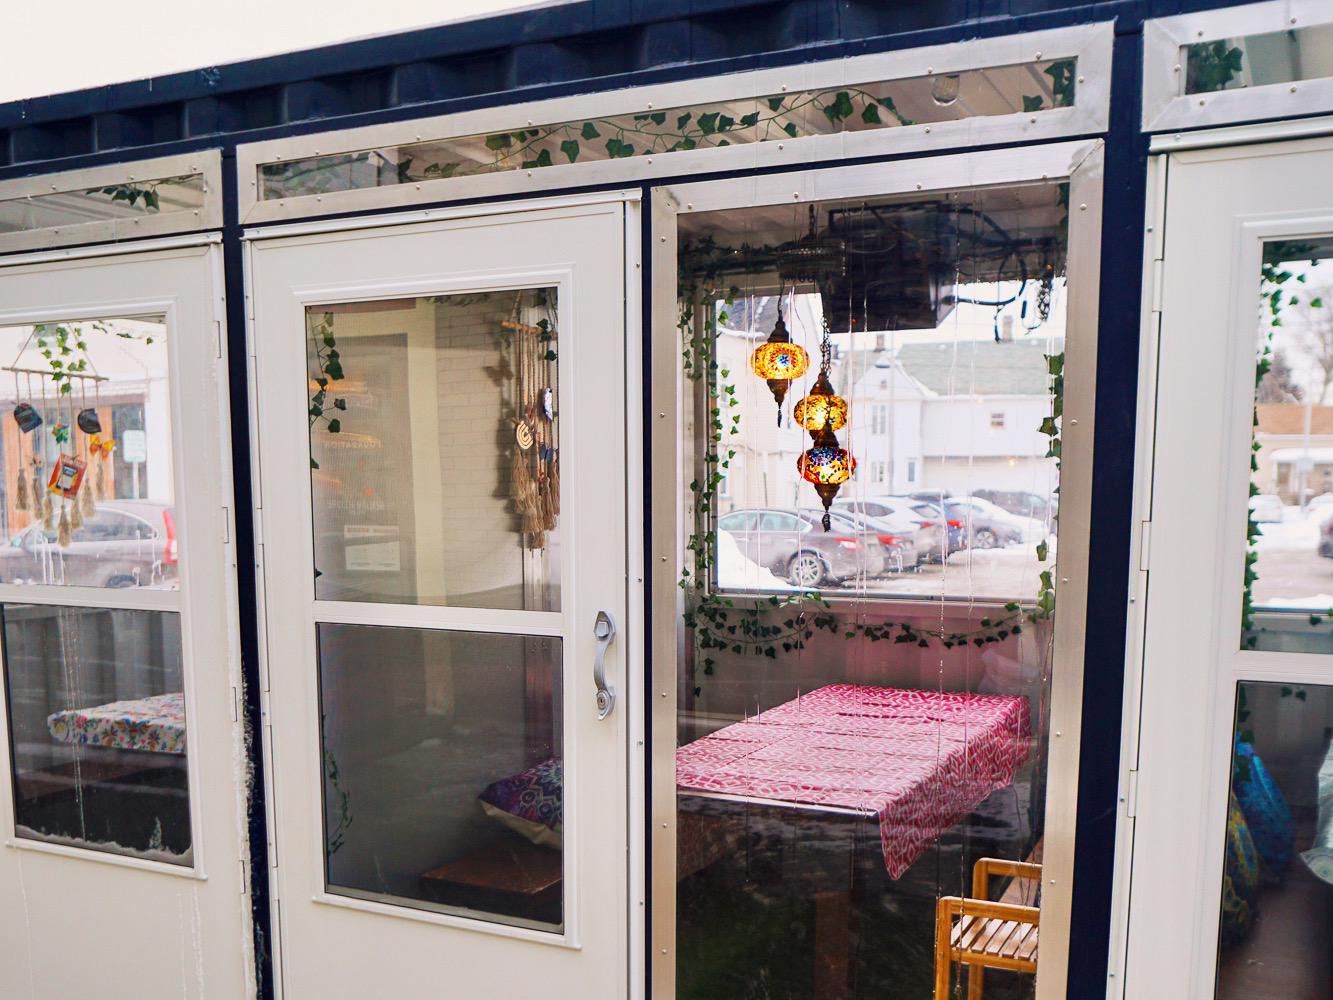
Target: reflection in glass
{"x":1289,"y":568}
{"x":1288,"y":56}
{"x":845,"y":762}
{"x":131,"y":200}
{"x":92,"y":398}
{"x":434,"y":450}
{"x":998,"y":90}
{"x":1274,"y":929}
{"x":97,"y":729}
{"x":442,"y":770}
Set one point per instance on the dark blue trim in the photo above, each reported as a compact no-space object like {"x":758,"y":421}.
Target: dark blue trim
{"x":573,"y":48}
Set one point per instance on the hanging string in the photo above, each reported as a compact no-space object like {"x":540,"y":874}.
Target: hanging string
{"x":86,"y":491}
{"x":41,"y":494}
{"x":21,"y":479}
{"x":76,"y":512}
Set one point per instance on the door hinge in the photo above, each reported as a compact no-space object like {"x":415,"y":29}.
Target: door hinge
{"x":1132,"y":794}
{"x":1145,"y":538}
{"x":217,"y":332}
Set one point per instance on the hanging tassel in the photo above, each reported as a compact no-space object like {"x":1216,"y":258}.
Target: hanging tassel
{"x":76,"y":513}
{"x":63,"y":532}
{"x":21,"y":491}
{"x":48,"y":509}
{"x":99,"y":480}
{"x":86,"y":495}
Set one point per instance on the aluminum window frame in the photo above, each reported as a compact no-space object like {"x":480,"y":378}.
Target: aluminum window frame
{"x":1082,"y":163}
{"x":1166,"y":108}
{"x":207,"y":162}
{"x":1090,"y":44}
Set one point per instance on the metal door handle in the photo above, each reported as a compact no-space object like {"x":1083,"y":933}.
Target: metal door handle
{"x":605,"y":630}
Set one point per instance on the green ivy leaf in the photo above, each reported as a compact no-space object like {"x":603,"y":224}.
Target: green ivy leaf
{"x":871,"y":115}
{"x":658,"y":117}
{"x":750,"y":120}
{"x":790,"y":129}
{"x":570,"y":147}
{"x":1041,"y":551}
{"x":502,"y":140}
{"x":708,"y":122}
{"x":683,"y":120}
{"x":1031,"y":103}
{"x":590,"y":131}
{"x":335,"y":425}
{"x":775,"y":102}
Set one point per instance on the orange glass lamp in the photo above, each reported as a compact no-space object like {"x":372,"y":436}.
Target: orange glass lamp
{"x":778,"y":361}
{"x":826,"y":465}
{"x":822,"y":406}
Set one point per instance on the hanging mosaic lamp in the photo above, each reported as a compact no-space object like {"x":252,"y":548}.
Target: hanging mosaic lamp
{"x":826,"y":465}
{"x":822,"y":406}
{"x":779,"y":361}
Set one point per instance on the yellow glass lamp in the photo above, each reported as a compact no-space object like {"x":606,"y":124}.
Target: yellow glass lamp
{"x":822,"y":406}
{"x":826,"y":465}
{"x":778,"y":361}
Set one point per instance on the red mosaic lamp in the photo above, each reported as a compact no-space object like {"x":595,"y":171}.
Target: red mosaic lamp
{"x":778,"y":361}
{"x":826,"y":465}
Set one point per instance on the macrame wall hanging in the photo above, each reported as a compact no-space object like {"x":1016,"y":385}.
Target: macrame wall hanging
{"x":535,"y":462}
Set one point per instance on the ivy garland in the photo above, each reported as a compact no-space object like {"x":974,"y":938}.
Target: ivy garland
{"x":755,"y":626}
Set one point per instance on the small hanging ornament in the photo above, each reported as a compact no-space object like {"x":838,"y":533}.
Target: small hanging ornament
{"x":777,"y":360}
{"x":99,"y":451}
{"x":826,"y":465}
{"x":88,"y":421}
{"x":60,"y":432}
{"x":27,"y":418}
{"x":66,"y":477}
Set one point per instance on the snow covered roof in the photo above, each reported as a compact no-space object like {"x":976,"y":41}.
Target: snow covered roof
{"x":980,"y":367}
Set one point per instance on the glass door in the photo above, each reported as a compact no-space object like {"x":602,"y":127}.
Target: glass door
{"x":442,"y":412}
{"x":120,"y":668}
{"x":1231,"y":868}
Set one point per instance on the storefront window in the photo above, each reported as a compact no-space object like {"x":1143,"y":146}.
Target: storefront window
{"x":1292,"y":56}
{"x":1288,"y":585}
{"x":1274,"y":929}
{"x":863,"y":695}
{"x":97,"y":729}
{"x":87,"y":498}
{"x":1042,"y":85}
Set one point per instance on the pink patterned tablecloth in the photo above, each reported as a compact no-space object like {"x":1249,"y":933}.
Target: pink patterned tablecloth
{"x":917,"y":760}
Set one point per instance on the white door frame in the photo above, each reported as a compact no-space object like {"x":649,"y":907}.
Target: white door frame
{"x":208,"y":890}
{"x":1142,"y":950}
{"x":629,"y":637}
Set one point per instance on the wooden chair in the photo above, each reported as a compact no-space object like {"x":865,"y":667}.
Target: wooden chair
{"x":998,"y":935}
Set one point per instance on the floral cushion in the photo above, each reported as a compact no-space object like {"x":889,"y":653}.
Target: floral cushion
{"x":530,"y":802}
{"x":1266,"y":812}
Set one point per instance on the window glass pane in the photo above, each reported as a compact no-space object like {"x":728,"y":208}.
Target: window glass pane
{"x":1289,"y":572}
{"x":1275,"y":934}
{"x":434,"y":450}
{"x":89,"y":479}
{"x":847,"y":764}
{"x":998,"y":90}
{"x":1304,"y":53}
{"x":131,"y":200}
{"x":442,"y":770}
{"x":97,"y":729}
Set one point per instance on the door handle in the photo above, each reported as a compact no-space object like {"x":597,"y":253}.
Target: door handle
{"x":605,"y":630}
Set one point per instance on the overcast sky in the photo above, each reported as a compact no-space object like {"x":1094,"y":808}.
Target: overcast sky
{"x":65,"y":45}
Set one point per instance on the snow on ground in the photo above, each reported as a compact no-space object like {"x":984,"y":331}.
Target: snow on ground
{"x":735,"y":572}
{"x":1298,"y":535}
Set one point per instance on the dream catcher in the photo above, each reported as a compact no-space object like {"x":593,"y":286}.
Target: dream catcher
{"x":535,"y":465}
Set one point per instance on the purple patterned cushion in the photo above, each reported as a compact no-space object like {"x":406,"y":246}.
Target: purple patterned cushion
{"x":530,"y":802}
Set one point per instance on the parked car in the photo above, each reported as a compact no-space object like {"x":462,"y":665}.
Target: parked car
{"x":1021,"y":503}
{"x":1326,"y":538}
{"x":933,"y":541}
{"x":985,"y":526}
{"x":1267,"y":509}
{"x":896,"y":532}
{"x":794,"y":544}
{"x":126,"y":543}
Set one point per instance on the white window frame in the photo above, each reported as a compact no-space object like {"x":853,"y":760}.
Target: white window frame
{"x":1090,"y":44}
{"x":1166,"y":107}
{"x":207,"y":162}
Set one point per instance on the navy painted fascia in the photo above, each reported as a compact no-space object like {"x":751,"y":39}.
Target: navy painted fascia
{"x":572,"y":48}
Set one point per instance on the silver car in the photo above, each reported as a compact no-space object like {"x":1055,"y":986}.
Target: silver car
{"x":126,"y":543}
{"x":793,"y":544}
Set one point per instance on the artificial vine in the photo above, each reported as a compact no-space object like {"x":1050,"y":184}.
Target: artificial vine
{"x":329,"y":364}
